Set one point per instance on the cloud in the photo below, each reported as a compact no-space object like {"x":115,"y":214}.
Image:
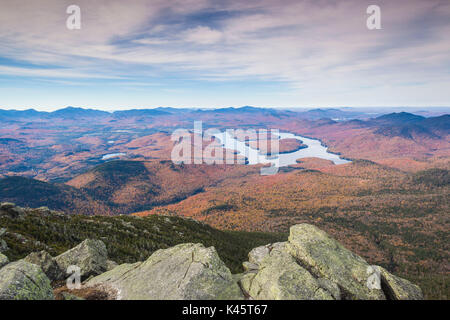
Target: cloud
{"x":202,"y":35}
{"x":52,"y":73}
{"x":313,"y":47}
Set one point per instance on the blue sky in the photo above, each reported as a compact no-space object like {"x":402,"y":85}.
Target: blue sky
{"x":204,"y":53}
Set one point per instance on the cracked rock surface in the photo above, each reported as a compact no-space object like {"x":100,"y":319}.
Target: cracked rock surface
{"x":184,"y":272}
{"x":280,"y":277}
{"x":311,"y":265}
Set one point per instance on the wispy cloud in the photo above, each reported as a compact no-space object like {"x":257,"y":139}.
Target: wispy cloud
{"x":312,"y":47}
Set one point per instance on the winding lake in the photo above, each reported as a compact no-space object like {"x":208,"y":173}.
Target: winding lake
{"x":314,"y":149}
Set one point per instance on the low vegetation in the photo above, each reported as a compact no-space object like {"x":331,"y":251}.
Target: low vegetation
{"x":128,"y":238}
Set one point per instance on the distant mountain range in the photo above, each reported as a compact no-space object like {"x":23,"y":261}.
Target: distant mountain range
{"x":69,"y":112}
{"x":312,"y":114}
{"x":335,"y":114}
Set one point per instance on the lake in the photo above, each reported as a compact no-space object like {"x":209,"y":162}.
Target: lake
{"x":113,"y":155}
{"x":314,"y":149}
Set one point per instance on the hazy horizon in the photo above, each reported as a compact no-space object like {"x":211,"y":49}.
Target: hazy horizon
{"x":410,"y":109}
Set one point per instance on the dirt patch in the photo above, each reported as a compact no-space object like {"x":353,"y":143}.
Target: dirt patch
{"x":86,"y":293}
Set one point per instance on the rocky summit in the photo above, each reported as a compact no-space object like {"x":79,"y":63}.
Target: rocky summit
{"x":312,"y":265}
{"x":309,"y":266}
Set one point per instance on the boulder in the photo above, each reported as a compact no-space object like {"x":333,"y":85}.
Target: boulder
{"x":47,"y":263}
{"x":43,"y":211}
{"x":3,"y":260}
{"x":7,"y":205}
{"x":326,"y":258}
{"x":110,"y":265}
{"x":90,"y":256}
{"x":11,"y":210}
{"x":184,"y":272}
{"x":3,"y":245}
{"x":280,"y":277}
{"x":312,"y":265}
{"x":24,"y":281}
{"x":398,"y":288}
{"x":255,"y":256}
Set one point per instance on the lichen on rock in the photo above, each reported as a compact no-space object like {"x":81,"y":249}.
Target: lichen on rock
{"x":90,"y":256}
{"x":326,"y":258}
{"x":24,"y":281}
{"x":3,"y":260}
{"x":312,"y":265}
{"x":280,"y":277}
{"x":47,"y":264}
{"x":184,"y":272}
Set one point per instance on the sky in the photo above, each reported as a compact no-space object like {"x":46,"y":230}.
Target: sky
{"x":211,"y":53}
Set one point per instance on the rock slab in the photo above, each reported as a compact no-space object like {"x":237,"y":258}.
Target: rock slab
{"x":47,"y":263}
{"x":280,"y":277}
{"x":184,"y":272}
{"x":90,"y":256}
{"x":398,"y":288}
{"x":326,"y":258}
{"x":312,"y":265}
